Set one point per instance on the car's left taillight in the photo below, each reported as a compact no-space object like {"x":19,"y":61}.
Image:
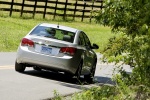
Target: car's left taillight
{"x":27,"y":42}
{"x":68,"y":50}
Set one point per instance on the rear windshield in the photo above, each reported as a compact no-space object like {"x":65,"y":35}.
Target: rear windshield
{"x":53,"y":33}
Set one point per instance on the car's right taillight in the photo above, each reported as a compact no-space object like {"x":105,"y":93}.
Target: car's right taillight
{"x":27,"y":42}
{"x":68,"y":50}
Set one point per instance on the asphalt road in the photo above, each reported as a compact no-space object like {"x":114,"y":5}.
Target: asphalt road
{"x":7,"y":58}
{"x":39,"y":85}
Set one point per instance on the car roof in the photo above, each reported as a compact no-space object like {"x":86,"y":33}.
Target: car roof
{"x":61,"y":27}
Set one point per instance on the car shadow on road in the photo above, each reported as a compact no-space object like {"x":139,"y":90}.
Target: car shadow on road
{"x":52,"y":76}
{"x":68,"y":81}
{"x":100,"y":80}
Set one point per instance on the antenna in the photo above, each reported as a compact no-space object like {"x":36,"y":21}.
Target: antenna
{"x":58,"y":25}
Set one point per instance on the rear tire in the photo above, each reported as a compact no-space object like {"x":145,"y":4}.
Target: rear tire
{"x":19,"y":67}
{"x":88,"y":79}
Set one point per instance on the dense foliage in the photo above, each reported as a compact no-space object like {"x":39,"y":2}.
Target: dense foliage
{"x":130,"y":19}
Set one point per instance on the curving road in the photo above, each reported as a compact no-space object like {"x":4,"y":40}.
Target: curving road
{"x":35,"y":85}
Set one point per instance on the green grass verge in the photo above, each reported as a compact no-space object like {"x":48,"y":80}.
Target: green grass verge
{"x":13,"y":29}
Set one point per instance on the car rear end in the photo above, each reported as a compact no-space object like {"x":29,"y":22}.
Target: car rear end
{"x":57,"y":53}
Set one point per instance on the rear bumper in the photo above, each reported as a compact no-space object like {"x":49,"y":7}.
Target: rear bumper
{"x":60,"y":63}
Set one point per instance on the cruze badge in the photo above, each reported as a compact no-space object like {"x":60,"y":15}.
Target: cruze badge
{"x":47,"y":42}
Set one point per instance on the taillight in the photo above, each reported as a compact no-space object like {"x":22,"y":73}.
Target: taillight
{"x":27,"y":42}
{"x":68,"y":50}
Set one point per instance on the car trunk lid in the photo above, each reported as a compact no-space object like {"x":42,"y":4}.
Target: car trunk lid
{"x":51,"y":47}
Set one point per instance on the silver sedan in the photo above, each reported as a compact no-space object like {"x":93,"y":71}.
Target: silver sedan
{"x":57,"y":48}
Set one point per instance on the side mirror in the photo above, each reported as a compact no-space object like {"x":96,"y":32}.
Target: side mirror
{"x":95,"y":46}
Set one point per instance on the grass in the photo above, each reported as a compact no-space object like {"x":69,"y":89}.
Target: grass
{"x":13,"y":29}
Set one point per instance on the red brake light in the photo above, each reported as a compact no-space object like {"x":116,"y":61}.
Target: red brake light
{"x":27,"y":42}
{"x":68,"y":50}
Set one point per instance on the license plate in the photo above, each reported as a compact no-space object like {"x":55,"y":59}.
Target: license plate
{"x":46,"y":50}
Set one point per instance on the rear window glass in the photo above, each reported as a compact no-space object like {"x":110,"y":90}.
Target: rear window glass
{"x":53,"y":33}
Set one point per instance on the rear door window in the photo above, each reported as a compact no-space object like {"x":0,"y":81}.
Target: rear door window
{"x":87,"y":41}
{"x":81,"y":40}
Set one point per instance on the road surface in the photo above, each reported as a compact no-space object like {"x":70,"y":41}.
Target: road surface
{"x":39,"y":85}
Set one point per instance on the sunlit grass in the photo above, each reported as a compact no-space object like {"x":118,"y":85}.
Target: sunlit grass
{"x":13,"y":29}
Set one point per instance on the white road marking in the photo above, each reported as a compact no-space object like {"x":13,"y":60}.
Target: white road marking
{"x":7,"y":67}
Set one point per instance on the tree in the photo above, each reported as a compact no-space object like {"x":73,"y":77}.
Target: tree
{"x":130,"y":19}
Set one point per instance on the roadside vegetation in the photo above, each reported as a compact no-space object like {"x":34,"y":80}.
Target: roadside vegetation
{"x":131,"y":20}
